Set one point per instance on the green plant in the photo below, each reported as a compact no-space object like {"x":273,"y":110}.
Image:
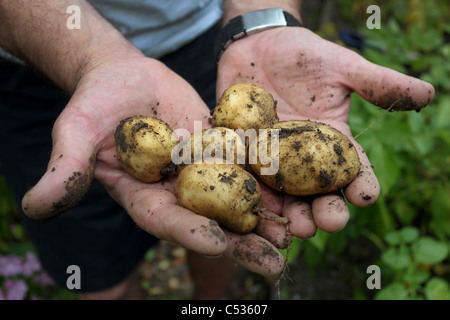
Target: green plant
{"x":409,"y":226}
{"x":413,"y":266}
{"x":21,"y":273}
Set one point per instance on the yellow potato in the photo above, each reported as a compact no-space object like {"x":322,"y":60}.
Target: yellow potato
{"x":225,"y":193}
{"x":144,"y":147}
{"x":213,"y":145}
{"x":314,"y":158}
{"x":245,"y":106}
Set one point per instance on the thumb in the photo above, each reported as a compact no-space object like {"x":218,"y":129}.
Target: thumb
{"x":69,"y":174}
{"x":387,"y":88}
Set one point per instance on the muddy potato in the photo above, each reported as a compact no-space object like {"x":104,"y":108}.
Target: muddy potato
{"x":244,"y":106}
{"x":144,"y":147}
{"x":225,"y":193}
{"x":314,"y":158}
{"x":211,"y":145}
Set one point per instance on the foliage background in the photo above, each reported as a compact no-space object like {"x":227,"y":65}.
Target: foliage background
{"x":406,"y":233}
{"x":409,"y":226}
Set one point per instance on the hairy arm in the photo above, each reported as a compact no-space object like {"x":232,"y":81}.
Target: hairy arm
{"x":36,"y":32}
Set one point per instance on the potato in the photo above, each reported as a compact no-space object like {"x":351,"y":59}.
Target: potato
{"x":144,"y":147}
{"x":225,"y":193}
{"x":314,"y":158}
{"x":211,"y":145}
{"x":245,"y":106}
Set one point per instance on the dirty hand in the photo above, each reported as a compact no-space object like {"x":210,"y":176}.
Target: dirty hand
{"x":84,"y":148}
{"x":312,"y":78}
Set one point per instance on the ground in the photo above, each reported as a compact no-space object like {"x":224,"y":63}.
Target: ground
{"x":166,"y":276}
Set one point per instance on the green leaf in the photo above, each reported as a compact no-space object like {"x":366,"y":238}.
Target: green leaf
{"x":427,"y":40}
{"x":404,"y":210}
{"x":423,"y":143}
{"x":437,"y":289}
{"x":423,"y":62}
{"x":396,"y":258}
{"x":386,"y":166}
{"x":394,"y":291}
{"x":417,"y":277}
{"x":428,"y":250}
{"x":443,"y":113}
{"x":416,"y":122}
{"x":393,"y":125}
{"x":445,"y":136}
{"x":392,"y":238}
{"x":409,"y":234}
{"x":440,"y":206}
{"x":394,"y":27}
{"x":405,"y":235}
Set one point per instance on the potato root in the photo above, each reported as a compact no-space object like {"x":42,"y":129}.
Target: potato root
{"x":225,"y":193}
{"x":314,"y":158}
{"x":144,"y":147}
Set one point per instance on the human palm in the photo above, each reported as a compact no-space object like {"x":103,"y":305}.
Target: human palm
{"x":84,"y":148}
{"x":311,"y":78}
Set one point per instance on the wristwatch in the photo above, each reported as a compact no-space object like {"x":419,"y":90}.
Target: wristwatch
{"x":250,"y":23}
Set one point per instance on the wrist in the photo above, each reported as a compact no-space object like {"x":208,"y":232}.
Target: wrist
{"x":103,"y":45}
{"x":251,"y":23}
{"x":108,"y":52}
{"x":234,"y":8}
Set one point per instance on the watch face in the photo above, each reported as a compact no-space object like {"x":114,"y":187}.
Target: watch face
{"x":260,"y":20}
{"x":251,"y":23}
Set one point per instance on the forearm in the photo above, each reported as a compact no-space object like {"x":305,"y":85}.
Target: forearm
{"x":233,"y":8}
{"x":36,"y":32}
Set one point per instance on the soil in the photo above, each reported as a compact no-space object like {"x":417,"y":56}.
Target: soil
{"x":166,"y":276}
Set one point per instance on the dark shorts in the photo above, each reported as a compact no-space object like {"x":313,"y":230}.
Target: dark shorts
{"x":97,"y":235}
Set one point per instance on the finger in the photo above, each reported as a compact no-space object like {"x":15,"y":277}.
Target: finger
{"x":364,"y":190}
{"x":385,"y":87}
{"x":273,"y":231}
{"x":154,"y":208}
{"x":254,"y":253}
{"x":330,"y":212}
{"x":272,"y":199}
{"x":69,"y":174}
{"x":299,"y":213}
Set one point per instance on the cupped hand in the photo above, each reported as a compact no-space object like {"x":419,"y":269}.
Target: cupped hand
{"x":84,"y":149}
{"x":312,"y":78}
